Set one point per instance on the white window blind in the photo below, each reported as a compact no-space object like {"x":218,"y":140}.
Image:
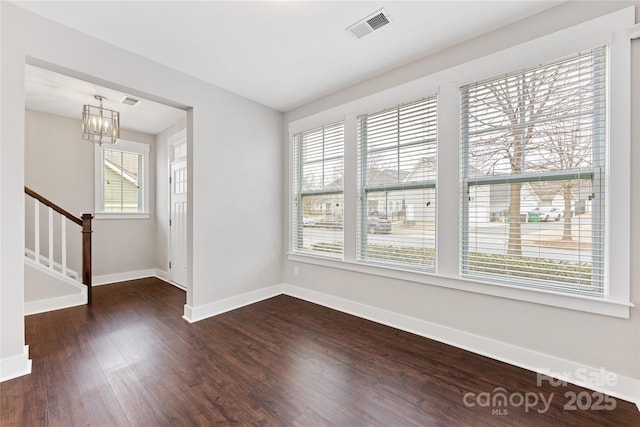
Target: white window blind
{"x":121,"y":174}
{"x":533,"y":176}
{"x":122,"y":180}
{"x":397,"y":185}
{"x":318,"y":186}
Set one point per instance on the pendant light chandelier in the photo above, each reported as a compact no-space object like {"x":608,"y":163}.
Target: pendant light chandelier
{"x":99,"y":124}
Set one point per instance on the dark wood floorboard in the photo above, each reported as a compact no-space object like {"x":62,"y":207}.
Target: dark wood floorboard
{"x":131,"y":360}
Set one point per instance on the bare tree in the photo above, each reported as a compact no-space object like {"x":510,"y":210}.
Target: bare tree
{"x":533,"y":121}
{"x":510,"y":106}
{"x":568,"y":141}
{"x":568,"y":148}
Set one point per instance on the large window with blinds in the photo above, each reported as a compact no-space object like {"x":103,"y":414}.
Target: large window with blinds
{"x":397,"y":186}
{"x":318,"y":190}
{"x":533,"y":148}
{"x":122,"y":178}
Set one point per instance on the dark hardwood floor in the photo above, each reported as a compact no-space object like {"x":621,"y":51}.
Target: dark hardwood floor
{"x":130,"y":359}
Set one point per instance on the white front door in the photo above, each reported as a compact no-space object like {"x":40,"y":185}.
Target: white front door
{"x":178,"y":209}
{"x":178,"y":224}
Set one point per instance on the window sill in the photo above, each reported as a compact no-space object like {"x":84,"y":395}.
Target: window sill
{"x":604,"y":306}
{"x":119,"y":215}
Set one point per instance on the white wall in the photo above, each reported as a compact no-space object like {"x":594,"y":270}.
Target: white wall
{"x":580,"y":337}
{"x":59,"y":165}
{"x":234,"y":160}
{"x":13,"y":353}
{"x":237,"y":217}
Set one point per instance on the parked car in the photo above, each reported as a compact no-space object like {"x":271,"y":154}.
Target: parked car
{"x":378,"y":225}
{"x":307,"y":220}
{"x":330,"y":221}
{"x":546,"y":213}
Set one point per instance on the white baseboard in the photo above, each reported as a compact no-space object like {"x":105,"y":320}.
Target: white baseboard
{"x":194,"y":314}
{"x":106,"y":279}
{"x":16,"y":366}
{"x":161,"y":274}
{"x":623,"y":387}
{"x":50,"y":304}
{"x":164,"y":275}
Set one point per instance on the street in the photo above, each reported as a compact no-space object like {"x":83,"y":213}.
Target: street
{"x":541,"y":239}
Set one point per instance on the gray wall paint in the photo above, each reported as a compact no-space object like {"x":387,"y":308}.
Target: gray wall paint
{"x":235,"y":165}
{"x":237,"y":205}
{"x":593,"y":340}
{"x":59,"y":165}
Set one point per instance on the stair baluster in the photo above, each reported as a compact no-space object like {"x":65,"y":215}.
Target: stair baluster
{"x":84,"y":222}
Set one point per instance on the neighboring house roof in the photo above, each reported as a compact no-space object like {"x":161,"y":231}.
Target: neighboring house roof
{"x":502,"y":192}
{"x":375,"y":177}
{"x":424,"y":170}
{"x":547,"y":191}
{"x":121,"y":186}
{"x":127,"y":175}
{"x":385,"y":176}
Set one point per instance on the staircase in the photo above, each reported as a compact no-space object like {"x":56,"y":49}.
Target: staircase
{"x":43,"y":261}
{"x":49,"y":282}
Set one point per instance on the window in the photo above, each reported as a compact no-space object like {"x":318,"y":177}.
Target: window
{"x":533,"y":176}
{"x":122,"y":179}
{"x":397,"y":184}
{"x":318,"y":188}
{"x":512,"y":181}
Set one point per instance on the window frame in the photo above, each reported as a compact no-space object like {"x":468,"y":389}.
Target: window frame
{"x":125,"y":146}
{"x":298,"y":192}
{"x":611,"y":30}
{"x":364,"y":187}
{"x":597,"y":173}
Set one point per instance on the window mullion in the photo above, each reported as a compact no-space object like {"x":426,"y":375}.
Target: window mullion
{"x":464,"y":178}
{"x":350,"y":188}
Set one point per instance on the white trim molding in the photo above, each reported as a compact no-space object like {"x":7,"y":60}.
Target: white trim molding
{"x":163,"y":275}
{"x":606,"y":307}
{"x":16,"y":366}
{"x":194,"y":314}
{"x":107,"y":279}
{"x":57,"y":303}
{"x":622,"y":387}
{"x":124,"y":146}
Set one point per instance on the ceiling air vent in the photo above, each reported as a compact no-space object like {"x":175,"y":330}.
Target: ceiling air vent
{"x":130,"y":101}
{"x":369,"y":24}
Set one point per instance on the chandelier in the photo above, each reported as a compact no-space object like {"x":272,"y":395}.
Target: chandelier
{"x":99,"y":124}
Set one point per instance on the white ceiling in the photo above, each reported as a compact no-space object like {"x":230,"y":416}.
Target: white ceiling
{"x":62,"y":95}
{"x":282,"y":53}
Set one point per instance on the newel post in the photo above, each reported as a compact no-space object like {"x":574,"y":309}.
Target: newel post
{"x":86,"y":253}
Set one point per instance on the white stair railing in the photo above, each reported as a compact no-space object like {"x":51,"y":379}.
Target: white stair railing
{"x":48,"y":261}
